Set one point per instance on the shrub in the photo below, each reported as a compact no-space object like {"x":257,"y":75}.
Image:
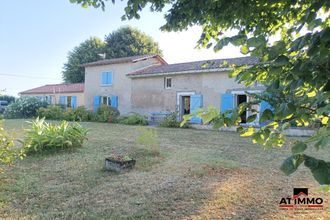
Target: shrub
{"x":7,"y":152}
{"x":56,"y":112}
{"x":134,"y":119}
{"x":24,"y":107}
{"x":43,"y":136}
{"x":7,"y":98}
{"x":171,"y":121}
{"x":52,"y":112}
{"x":107,"y":114}
{"x":149,"y":140}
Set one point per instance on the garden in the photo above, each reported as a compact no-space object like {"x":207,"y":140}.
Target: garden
{"x":62,"y":166}
{"x":179,"y":174}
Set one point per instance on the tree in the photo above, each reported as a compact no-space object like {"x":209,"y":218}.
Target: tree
{"x":128,"y":41}
{"x":87,"y":51}
{"x":292,"y":41}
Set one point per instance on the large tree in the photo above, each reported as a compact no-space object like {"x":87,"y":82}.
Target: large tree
{"x":87,"y":51}
{"x":292,"y":41}
{"x":126,"y":41}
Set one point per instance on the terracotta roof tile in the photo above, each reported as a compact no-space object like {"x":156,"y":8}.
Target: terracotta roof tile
{"x":56,"y":88}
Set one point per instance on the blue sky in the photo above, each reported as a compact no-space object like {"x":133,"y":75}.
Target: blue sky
{"x":36,"y":36}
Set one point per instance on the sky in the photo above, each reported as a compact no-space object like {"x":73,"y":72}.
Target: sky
{"x":36,"y":36}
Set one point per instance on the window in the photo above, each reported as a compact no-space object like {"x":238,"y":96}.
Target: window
{"x":68,"y":101}
{"x":106,"y":78}
{"x":106,"y":100}
{"x":168,"y":82}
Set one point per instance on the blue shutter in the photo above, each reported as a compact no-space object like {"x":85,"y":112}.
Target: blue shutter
{"x":104,"y":78}
{"x":97,"y":102}
{"x":227,"y":102}
{"x":263,"y":106}
{"x":109,"y":78}
{"x":62,"y":100}
{"x":50,"y":99}
{"x":74,"y":102}
{"x":196,"y":102}
{"x":114,"y":101}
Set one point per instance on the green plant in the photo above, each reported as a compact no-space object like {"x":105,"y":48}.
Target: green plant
{"x":134,"y":119}
{"x":7,"y":98}
{"x":24,"y":107}
{"x":43,"y":136}
{"x":149,"y":140}
{"x":171,"y":121}
{"x":7,"y":151}
{"x":52,"y":112}
{"x":107,"y":114}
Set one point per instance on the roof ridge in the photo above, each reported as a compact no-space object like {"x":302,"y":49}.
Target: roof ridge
{"x":232,"y":58}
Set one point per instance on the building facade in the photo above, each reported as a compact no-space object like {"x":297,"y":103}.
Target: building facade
{"x":68,"y":95}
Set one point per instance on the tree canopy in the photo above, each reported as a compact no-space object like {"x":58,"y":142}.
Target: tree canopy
{"x":126,"y":41}
{"x":292,"y":41}
{"x":87,"y":51}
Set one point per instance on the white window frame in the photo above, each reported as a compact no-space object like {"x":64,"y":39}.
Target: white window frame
{"x":165,"y":82}
{"x":108,"y":99}
{"x":248,"y":113}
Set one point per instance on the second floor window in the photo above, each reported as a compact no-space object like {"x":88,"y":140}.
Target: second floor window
{"x":168,"y":82}
{"x":106,"y":78}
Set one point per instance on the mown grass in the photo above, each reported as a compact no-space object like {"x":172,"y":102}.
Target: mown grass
{"x":198,"y":175}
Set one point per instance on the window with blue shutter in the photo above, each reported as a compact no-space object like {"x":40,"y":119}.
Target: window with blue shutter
{"x":62,"y":100}
{"x":106,"y":78}
{"x":196,"y":102}
{"x":114,"y":101}
{"x":74,"y":102}
{"x":96,"y":102}
{"x":227,"y":102}
{"x":263,"y":106}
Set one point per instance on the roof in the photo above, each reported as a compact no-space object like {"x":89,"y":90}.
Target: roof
{"x":56,"y":88}
{"x":124,"y":60}
{"x":197,"y":66}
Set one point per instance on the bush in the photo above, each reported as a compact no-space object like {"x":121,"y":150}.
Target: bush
{"x":43,"y":136}
{"x":52,"y":112}
{"x":107,"y":114}
{"x":7,"y":151}
{"x":24,"y":107}
{"x":170,"y":121}
{"x":134,"y":119}
{"x":56,"y":112}
{"x":7,"y":98}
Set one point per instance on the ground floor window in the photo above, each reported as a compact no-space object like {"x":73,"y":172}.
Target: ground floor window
{"x":243,"y":98}
{"x":68,"y":101}
{"x":106,"y":100}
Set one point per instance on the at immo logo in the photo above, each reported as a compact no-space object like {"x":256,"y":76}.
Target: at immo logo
{"x":301,"y":199}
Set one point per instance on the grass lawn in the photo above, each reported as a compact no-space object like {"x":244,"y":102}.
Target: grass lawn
{"x":200,"y":175}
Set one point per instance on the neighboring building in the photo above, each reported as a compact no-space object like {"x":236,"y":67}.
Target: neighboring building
{"x":69,"y":95}
{"x":149,"y":86}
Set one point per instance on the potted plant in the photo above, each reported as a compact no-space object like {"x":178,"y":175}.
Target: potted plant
{"x":118,"y":163}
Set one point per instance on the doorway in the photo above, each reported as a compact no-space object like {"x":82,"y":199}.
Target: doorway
{"x":183,"y":103}
{"x":239,"y":100}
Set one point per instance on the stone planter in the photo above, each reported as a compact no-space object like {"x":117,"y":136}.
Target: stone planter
{"x":111,"y":164}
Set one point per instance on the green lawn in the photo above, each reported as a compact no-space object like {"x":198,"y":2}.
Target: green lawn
{"x":200,"y":175}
